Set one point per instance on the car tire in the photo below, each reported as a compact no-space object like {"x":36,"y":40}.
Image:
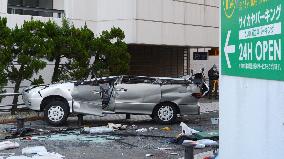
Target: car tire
{"x":56,"y":113}
{"x":165,"y":113}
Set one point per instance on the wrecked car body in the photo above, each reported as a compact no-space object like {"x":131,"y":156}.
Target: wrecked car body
{"x":160,"y":97}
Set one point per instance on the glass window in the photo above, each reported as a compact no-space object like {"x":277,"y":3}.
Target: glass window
{"x":31,"y":7}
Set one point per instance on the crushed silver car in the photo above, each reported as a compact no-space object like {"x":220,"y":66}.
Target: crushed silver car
{"x":160,"y":97}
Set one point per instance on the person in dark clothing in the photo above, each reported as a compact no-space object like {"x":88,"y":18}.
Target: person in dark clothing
{"x":213,"y":75}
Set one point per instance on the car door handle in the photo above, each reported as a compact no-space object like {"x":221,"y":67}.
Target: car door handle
{"x":121,"y":90}
{"x":96,"y":91}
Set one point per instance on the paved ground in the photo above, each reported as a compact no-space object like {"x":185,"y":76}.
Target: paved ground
{"x":128,"y":143}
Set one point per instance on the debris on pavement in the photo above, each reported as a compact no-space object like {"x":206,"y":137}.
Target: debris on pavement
{"x":197,"y":138}
{"x":15,"y":133}
{"x":123,"y":127}
{"x":48,"y":155}
{"x":36,"y":152}
{"x":142,"y":130}
{"x":76,"y":136}
{"x":214,"y":135}
{"x":8,"y":145}
{"x":204,"y":155}
{"x":180,"y":139}
{"x":18,"y":157}
{"x":117,"y":126}
{"x":149,"y":155}
{"x":39,"y":150}
{"x":187,"y":130}
{"x":200,"y":144}
{"x":134,"y":126}
{"x":166,"y":129}
{"x":207,"y":142}
{"x":195,"y":143}
{"x":164,"y":148}
{"x":98,"y":130}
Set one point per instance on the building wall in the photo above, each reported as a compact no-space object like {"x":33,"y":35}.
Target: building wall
{"x":102,"y":15}
{"x":3,"y":6}
{"x":180,"y":23}
{"x":58,"y":4}
{"x":159,"y":22}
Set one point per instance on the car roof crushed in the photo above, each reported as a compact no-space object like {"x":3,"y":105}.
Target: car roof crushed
{"x":129,"y":79}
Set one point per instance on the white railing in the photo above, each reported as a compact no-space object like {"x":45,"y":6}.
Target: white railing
{"x":8,"y":107}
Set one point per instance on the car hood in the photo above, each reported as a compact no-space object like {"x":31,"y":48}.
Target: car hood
{"x":63,"y":86}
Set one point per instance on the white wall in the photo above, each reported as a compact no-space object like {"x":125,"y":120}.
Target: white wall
{"x":251,"y":118}
{"x":3,"y":6}
{"x":58,"y":4}
{"x":181,"y":23}
{"x":102,"y":15}
{"x":160,"y":22}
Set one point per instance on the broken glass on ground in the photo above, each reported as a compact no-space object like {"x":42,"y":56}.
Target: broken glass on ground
{"x":76,"y":136}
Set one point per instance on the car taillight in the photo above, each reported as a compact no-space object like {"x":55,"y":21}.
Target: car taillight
{"x":197,"y":95}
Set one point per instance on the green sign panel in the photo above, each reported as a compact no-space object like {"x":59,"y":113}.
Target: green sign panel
{"x":252,"y":39}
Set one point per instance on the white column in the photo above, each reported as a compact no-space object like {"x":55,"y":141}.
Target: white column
{"x":68,"y":8}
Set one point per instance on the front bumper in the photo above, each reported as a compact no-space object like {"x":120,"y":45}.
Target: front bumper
{"x":31,"y":102}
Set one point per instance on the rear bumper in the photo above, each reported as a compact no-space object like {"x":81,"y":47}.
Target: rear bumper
{"x":189,"y":109}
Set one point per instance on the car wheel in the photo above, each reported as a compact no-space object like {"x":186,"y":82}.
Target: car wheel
{"x":56,"y":113}
{"x":165,"y":113}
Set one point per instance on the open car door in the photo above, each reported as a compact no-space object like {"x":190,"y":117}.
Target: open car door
{"x":87,"y":99}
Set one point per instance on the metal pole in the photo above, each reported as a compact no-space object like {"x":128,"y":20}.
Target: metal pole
{"x":20,"y":123}
{"x":127,"y":116}
{"x":80,"y":120}
{"x":188,"y":150}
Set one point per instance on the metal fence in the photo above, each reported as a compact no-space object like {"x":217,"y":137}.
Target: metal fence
{"x":8,"y":107}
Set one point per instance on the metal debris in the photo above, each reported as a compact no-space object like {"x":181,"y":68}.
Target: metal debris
{"x":8,"y":145}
